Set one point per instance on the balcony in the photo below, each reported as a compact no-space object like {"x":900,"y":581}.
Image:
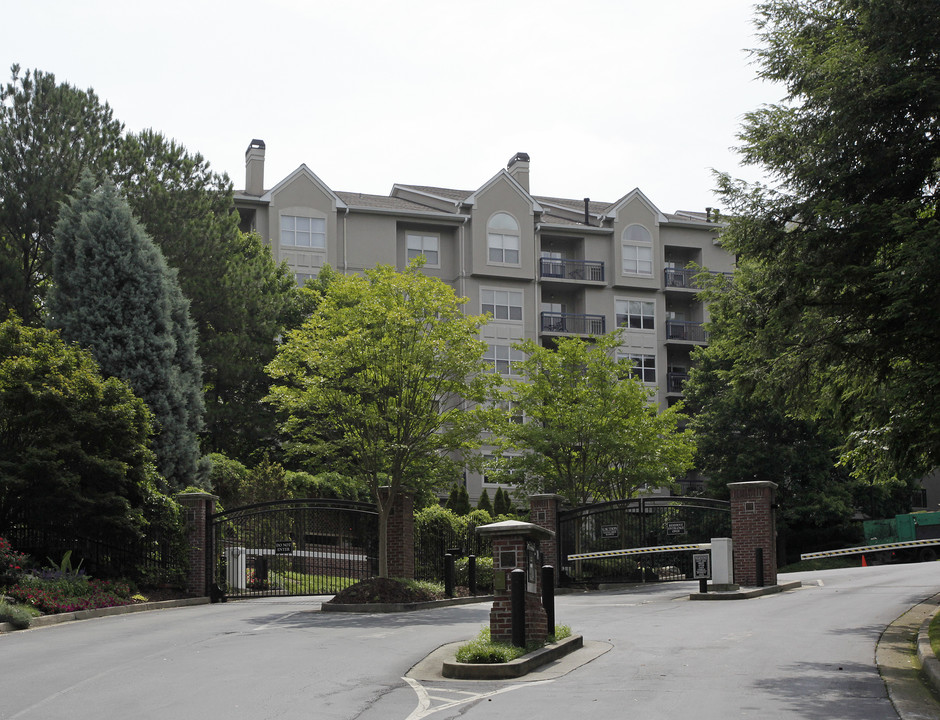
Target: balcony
{"x":572,"y":324}
{"x":674,"y":382}
{"x":684,"y":278}
{"x":564,"y":269}
{"x":685,"y":331}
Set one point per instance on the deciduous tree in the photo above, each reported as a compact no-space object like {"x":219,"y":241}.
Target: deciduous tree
{"x":378,"y":381}
{"x":74,"y":445}
{"x":837,"y":295}
{"x":590,"y":432}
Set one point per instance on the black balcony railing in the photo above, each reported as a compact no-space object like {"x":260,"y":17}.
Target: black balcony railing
{"x":570,"y":323}
{"x":686,"y":330}
{"x":685,"y":278}
{"x":571,"y":269}
{"x":675,"y":381}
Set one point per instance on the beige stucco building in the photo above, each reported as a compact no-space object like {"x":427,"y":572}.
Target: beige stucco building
{"x":544,"y":267}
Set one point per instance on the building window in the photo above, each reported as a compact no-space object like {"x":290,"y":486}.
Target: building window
{"x":427,"y":245}
{"x":513,"y":411}
{"x":502,"y":304}
{"x":304,"y":232}
{"x":504,"y":359}
{"x":636,"y":314}
{"x":643,"y":366}
{"x":502,"y":239}
{"x":637,"y":251}
{"x":495,"y":474}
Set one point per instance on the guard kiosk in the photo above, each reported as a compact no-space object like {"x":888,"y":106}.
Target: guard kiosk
{"x":516,"y":545}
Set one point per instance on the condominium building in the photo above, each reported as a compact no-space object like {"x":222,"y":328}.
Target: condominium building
{"x":543,"y":267}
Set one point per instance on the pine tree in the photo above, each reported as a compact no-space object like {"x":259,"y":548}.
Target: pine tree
{"x":114,"y":294}
{"x":502,"y":505}
{"x":484,"y":502}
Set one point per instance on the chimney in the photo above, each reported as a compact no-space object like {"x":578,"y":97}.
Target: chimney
{"x":254,"y":168}
{"x":519,"y":169}
{"x":587,"y":211}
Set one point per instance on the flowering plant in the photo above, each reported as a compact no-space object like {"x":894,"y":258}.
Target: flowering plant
{"x":54,"y":598}
{"x":12,"y":564}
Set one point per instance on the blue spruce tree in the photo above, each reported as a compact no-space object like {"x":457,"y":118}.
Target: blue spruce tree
{"x":114,"y":294}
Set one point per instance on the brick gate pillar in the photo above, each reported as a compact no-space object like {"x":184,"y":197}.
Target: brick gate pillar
{"x":401,"y":536}
{"x":753,"y":528}
{"x":197,"y":507}
{"x":543,"y":511}
{"x":516,"y":545}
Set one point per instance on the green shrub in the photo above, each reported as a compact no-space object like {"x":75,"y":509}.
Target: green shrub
{"x":17,"y":617}
{"x":484,"y":573}
{"x":483,"y":650}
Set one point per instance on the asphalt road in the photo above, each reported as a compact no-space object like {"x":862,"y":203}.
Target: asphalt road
{"x":808,"y":653}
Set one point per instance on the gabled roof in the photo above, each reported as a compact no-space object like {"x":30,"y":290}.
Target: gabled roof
{"x":635,"y":194}
{"x":504,"y":175}
{"x":304,"y":171}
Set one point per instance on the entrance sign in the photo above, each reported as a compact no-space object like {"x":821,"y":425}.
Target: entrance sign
{"x":610,"y":531}
{"x":283,"y":547}
{"x":675,"y":527}
{"x":701,"y":566}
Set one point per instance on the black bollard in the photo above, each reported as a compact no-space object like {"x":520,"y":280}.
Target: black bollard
{"x":759,"y":566}
{"x":517,"y":604}
{"x":548,"y":596}
{"x":450,"y":575}
{"x":472,"y":574}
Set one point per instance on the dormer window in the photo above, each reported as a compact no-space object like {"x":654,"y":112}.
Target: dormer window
{"x":303,"y":232}
{"x":502,"y":240}
{"x":637,"y":251}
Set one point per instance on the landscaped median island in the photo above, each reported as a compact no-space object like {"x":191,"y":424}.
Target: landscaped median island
{"x":483,"y":659}
{"x":396,"y":595}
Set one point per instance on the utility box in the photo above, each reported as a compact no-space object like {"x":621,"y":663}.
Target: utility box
{"x":722,"y":562}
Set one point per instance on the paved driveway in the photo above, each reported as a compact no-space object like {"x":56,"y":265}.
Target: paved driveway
{"x":803,"y":654}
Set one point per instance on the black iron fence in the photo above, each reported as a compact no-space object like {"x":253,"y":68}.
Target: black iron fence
{"x":638,"y":523}
{"x":158,"y":557}
{"x":293,"y":547}
{"x":432,"y":543}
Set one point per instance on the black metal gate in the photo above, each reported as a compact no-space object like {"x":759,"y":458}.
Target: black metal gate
{"x":293,"y":547}
{"x":638,"y":523}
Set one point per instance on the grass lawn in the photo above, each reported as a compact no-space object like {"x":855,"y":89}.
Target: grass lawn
{"x":831,"y":563}
{"x":934,"y":635}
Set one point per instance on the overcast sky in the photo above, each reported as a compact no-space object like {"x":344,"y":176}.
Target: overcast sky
{"x":604,"y":95}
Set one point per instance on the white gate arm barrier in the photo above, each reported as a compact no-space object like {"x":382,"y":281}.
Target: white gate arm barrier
{"x":640,"y":551}
{"x":870,"y":549}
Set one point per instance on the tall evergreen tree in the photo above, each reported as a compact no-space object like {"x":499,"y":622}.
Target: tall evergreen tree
{"x":114,"y":294}
{"x":240,"y":299}
{"x":49,"y":133}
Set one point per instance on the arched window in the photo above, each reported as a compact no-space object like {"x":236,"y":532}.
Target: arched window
{"x":637,"y":251}
{"x":502,"y":239}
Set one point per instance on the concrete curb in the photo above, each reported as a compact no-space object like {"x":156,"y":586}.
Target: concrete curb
{"x":401,"y":607}
{"x":514,"y":668}
{"x":59,"y":618}
{"x":928,"y":660}
{"x":748,"y":594}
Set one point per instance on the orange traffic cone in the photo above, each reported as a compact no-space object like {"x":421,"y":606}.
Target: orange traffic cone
{"x":864,"y":562}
